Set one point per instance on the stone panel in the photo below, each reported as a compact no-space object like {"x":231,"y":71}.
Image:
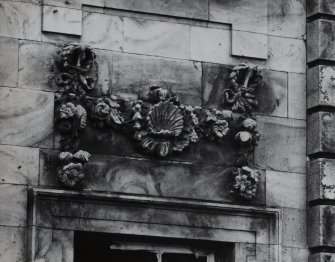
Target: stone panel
{"x":285,"y":189}
{"x":36,"y":65}
{"x":294,"y":228}
{"x":102,"y":31}
{"x":287,"y":18}
{"x":286,"y":54}
{"x":321,"y":132}
{"x":13,"y":208}
{"x":211,"y":45}
{"x":320,"y":42}
{"x":19,"y":165}
{"x":278,"y":137}
{"x":321,"y":226}
{"x":320,"y":6}
{"x":20,"y":20}
{"x":8,"y":61}
{"x":244,"y":15}
{"x":322,"y":257}
{"x":197,"y":9}
{"x":62,"y":20}
{"x":321,"y":179}
{"x":271,"y":94}
{"x":321,"y":86}
{"x":248,"y":44}
{"x":294,"y":254}
{"x":297,"y":96}
{"x":105,"y":71}
{"x":13,"y":244}
{"x":26,"y":117}
{"x":131,"y":73}
{"x":156,"y":38}
{"x":153,"y":177}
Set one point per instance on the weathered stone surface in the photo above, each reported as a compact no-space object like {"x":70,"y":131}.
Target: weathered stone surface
{"x":321,"y":179}
{"x":287,"y":18}
{"x":248,"y":44}
{"x":321,"y":132}
{"x":322,"y":257}
{"x":26,"y":117}
{"x":187,"y":8}
{"x":294,"y":228}
{"x":278,"y":137}
{"x":210,"y":45}
{"x":321,"y":227}
{"x":156,"y":38}
{"x":49,"y":37}
{"x":20,"y":20}
{"x":102,"y":31}
{"x":320,"y":43}
{"x":131,"y":73}
{"x":13,"y":244}
{"x":320,"y":6}
{"x":244,"y":15}
{"x":294,"y":254}
{"x":285,"y":189}
{"x":297,"y":96}
{"x":19,"y":165}
{"x":287,"y":54}
{"x":36,"y":65}
{"x":321,"y":86}
{"x":105,"y":71}
{"x":8,"y":61}
{"x":153,"y":177}
{"x":13,"y":208}
{"x":77,"y":4}
{"x":62,"y":20}
{"x":271,"y":94}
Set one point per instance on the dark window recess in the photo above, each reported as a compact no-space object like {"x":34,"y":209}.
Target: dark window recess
{"x":132,"y":256}
{"x":175,"y":257}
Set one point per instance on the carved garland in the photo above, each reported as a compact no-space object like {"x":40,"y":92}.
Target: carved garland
{"x":157,"y":121}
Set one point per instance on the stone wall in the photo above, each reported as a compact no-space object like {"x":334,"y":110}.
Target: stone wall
{"x":182,"y":45}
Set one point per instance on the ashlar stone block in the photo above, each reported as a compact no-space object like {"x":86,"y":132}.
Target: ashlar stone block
{"x":62,"y":20}
{"x":8,"y":61}
{"x":19,"y":165}
{"x":321,"y":226}
{"x":320,"y":7}
{"x":320,"y":41}
{"x":248,"y":44}
{"x":321,"y":132}
{"x":297,"y":95}
{"x":321,"y":86}
{"x":21,"y":112}
{"x":13,"y":244}
{"x":76,"y":4}
{"x":102,"y":31}
{"x":322,"y":257}
{"x":156,"y":38}
{"x":294,"y":228}
{"x":20,"y":20}
{"x":321,"y":179}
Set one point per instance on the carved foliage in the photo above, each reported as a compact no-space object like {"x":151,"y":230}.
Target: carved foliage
{"x":245,"y":182}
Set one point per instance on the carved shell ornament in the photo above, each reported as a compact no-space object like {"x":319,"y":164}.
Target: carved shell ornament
{"x":156,"y":121}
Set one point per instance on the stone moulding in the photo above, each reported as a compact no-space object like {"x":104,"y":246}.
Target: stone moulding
{"x":156,"y":121}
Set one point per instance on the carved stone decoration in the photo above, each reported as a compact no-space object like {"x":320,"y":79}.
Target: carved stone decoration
{"x":78,"y":69}
{"x":157,"y":121}
{"x":71,"y":167}
{"x":245,"y":182}
{"x":240,"y":96}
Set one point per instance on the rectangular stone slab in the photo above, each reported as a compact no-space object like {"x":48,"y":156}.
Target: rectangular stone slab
{"x":153,"y":177}
{"x":321,"y":179}
{"x":321,"y":133}
{"x":320,"y":86}
{"x":320,"y":41}
{"x":320,"y":7}
{"x":322,"y":257}
{"x":321,"y":228}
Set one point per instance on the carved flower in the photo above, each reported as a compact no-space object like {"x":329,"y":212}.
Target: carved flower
{"x":67,"y":110}
{"x":249,"y":124}
{"x":102,"y":110}
{"x":71,"y":174}
{"x":155,"y":94}
{"x":245,"y":182}
{"x":220,"y":128}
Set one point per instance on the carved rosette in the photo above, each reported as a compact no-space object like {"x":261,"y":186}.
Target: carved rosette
{"x":245,"y":182}
{"x":71,"y":167}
